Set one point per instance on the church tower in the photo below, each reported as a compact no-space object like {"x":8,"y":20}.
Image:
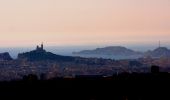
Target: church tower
{"x":42,"y":46}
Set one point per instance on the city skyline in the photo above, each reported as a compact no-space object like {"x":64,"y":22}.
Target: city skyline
{"x":79,"y":22}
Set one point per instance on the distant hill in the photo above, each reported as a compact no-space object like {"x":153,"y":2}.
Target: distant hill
{"x":40,"y":54}
{"x":111,"y":52}
{"x":5,"y":56}
{"x":114,"y":51}
{"x":158,"y":52}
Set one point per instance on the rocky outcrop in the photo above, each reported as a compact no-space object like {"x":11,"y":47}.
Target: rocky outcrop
{"x":5,"y":56}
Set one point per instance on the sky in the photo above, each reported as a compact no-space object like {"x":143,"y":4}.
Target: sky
{"x":84,"y":22}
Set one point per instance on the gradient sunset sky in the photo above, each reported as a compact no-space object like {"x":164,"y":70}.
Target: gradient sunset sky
{"x":84,"y":22}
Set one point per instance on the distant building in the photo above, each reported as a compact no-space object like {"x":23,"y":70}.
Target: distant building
{"x":40,"y":48}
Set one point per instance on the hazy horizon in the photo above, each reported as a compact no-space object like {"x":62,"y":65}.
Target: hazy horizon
{"x":84,"y":22}
{"x":67,"y":50}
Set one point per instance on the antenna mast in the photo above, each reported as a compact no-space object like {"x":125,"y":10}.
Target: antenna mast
{"x":159,"y":44}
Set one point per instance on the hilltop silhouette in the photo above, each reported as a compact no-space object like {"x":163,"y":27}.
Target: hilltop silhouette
{"x":158,"y":52}
{"x":116,"y":52}
{"x":39,"y":54}
{"x":5,"y":56}
{"x":112,"y":50}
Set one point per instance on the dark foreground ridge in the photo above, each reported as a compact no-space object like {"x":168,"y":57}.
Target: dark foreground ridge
{"x":125,"y":86}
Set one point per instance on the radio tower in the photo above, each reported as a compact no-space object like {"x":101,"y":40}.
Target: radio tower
{"x":159,"y":44}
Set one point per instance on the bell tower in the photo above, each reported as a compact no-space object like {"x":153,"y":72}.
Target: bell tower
{"x":42,"y":46}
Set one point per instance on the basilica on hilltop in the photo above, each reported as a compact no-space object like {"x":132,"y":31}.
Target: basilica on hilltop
{"x":40,"y":48}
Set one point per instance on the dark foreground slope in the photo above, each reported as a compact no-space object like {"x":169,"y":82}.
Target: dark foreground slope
{"x":122,"y":87}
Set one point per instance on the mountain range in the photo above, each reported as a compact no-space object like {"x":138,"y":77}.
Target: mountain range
{"x":111,"y":52}
{"x":119,"y":52}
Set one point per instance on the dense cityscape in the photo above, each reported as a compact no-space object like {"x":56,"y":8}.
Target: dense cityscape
{"x":49,"y":65}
